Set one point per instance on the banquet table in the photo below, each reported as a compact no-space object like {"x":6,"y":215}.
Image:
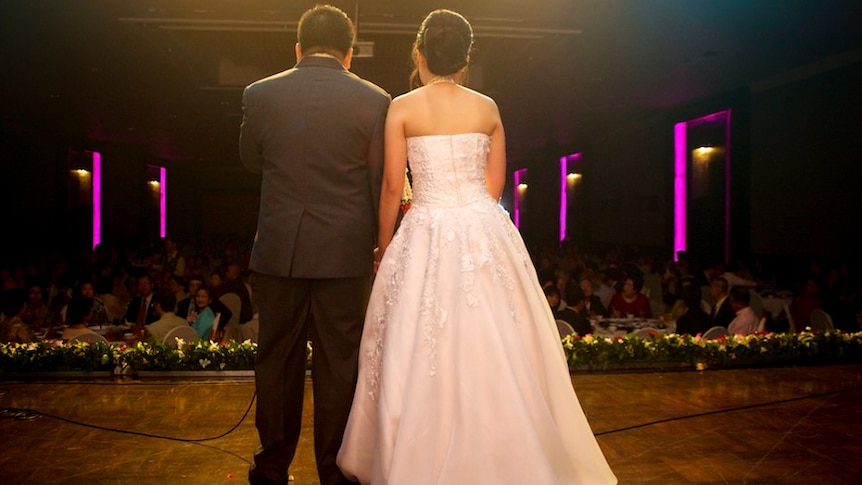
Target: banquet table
{"x":618,"y":327}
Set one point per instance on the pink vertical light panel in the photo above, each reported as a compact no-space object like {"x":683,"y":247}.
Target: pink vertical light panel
{"x":517,"y":210}
{"x":680,"y":163}
{"x":564,"y":199}
{"x":726,"y":185}
{"x":679,"y":187}
{"x":564,"y":196}
{"x":97,"y":199}
{"x":163,"y":202}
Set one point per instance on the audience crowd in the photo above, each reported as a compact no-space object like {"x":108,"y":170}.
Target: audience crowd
{"x":209,"y":288}
{"x":61,"y":294}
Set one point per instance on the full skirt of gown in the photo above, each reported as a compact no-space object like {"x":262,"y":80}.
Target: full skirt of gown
{"x":462,"y":375}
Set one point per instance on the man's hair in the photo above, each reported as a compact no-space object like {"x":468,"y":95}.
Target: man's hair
{"x":722,"y":282}
{"x":325,"y":29}
{"x":166,"y":299}
{"x":740,"y":294}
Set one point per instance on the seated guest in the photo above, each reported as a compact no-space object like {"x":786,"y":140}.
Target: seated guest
{"x":235,"y":284}
{"x":694,"y":320}
{"x":78,"y":315}
{"x":574,"y":313}
{"x":679,"y":306}
{"x":804,"y":304}
{"x":217,"y":283}
{"x":606,"y":288}
{"x":593,"y":306}
{"x":140,"y":311}
{"x":12,"y":328}
{"x":203,"y":323}
{"x":178,"y":286}
{"x":188,"y":310}
{"x":186,"y":306}
{"x":745,"y":322}
{"x":36,"y":313}
{"x":86,"y":290}
{"x":722,"y":314}
{"x":630,"y":301}
{"x":164,"y":302}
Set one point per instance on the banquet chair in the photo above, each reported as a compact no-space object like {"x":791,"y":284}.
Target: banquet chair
{"x":250,"y":330}
{"x":646,"y":333}
{"x":565,"y":328}
{"x":231,"y":327}
{"x":187,"y":334}
{"x":89,"y":337}
{"x":761,"y":325}
{"x":820,"y":320}
{"x":714,"y":332}
{"x":756,"y":303}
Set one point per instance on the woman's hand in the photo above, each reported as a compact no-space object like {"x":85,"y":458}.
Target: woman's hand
{"x":378,"y":256}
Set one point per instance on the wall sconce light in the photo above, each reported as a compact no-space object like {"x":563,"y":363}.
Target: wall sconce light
{"x":520,"y":174}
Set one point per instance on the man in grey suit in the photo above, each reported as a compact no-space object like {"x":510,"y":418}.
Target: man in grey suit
{"x":315,"y":132}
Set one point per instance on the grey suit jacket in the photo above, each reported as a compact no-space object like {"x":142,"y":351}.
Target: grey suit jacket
{"x":315,"y":132}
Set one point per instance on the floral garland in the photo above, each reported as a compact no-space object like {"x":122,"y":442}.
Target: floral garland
{"x":586,"y":353}
{"x":406,"y":194}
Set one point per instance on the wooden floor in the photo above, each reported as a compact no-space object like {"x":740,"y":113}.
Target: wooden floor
{"x":798,"y":425}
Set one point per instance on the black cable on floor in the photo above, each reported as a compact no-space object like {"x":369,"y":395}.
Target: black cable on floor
{"x":729,"y":410}
{"x":30,"y":414}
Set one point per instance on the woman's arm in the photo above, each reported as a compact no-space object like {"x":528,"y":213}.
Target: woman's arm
{"x":394,"y":164}
{"x":495,"y":170}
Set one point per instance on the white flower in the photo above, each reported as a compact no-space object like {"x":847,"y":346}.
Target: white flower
{"x":205,"y":362}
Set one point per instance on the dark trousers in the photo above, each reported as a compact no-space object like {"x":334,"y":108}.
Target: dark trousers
{"x":331,"y":313}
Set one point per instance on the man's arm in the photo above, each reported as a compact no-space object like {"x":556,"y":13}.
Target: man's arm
{"x":250,"y":151}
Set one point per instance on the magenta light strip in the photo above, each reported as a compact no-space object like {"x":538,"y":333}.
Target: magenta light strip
{"x":517,"y":211}
{"x":564,"y":197}
{"x":680,"y":179}
{"x":163,"y":202}
{"x":97,"y":199}
{"x":726,"y":184}
{"x":679,"y":187}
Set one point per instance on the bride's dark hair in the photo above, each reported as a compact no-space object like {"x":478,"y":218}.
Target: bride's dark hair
{"x":445,"y":38}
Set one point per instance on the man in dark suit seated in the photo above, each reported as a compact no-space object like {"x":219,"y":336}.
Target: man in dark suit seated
{"x":722,"y":314}
{"x":140,"y":311}
{"x":694,"y":320}
{"x":571,"y":314}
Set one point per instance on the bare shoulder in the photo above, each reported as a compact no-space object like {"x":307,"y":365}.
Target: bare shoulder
{"x":481,"y":98}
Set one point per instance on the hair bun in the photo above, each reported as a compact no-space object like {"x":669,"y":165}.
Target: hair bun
{"x":445,"y":50}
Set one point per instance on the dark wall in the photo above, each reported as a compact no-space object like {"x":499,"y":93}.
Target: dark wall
{"x":798,"y":144}
{"x":806,"y":166}
{"x":627,"y":178}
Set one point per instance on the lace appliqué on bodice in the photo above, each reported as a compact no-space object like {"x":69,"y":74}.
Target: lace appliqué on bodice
{"x":452,"y":220}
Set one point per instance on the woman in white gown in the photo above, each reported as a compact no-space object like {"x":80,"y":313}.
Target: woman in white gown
{"x":462,"y":377}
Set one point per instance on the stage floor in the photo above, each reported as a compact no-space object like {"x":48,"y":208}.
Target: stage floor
{"x":794,"y":425}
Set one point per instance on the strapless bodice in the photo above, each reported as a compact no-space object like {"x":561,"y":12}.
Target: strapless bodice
{"x":448,"y":170}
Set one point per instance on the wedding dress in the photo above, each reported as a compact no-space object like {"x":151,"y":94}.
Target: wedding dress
{"x":462,"y":377}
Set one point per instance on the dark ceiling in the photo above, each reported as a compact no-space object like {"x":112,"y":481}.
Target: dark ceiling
{"x":165,"y":77}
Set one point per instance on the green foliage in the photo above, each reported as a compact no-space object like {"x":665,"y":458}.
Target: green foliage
{"x":583,"y":353}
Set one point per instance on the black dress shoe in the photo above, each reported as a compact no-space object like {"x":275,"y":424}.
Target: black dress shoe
{"x":255,"y":477}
